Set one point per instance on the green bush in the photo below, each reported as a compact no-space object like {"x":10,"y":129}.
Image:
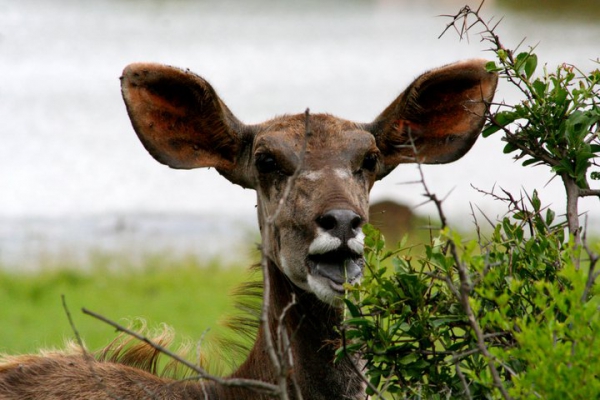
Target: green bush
{"x":514,"y":313}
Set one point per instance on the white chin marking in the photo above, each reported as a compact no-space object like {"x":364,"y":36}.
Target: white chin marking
{"x":356,"y":244}
{"x":324,"y":243}
{"x":324,"y":292}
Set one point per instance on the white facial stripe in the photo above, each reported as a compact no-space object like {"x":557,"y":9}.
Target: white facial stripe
{"x":342,"y":173}
{"x":356,"y":244}
{"x":319,"y":174}
{"x":312,"y":175}
{"x":323,"y":243}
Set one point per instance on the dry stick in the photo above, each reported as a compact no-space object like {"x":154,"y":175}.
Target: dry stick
{"x":461,"y":376}
{"x":199,"y":361}
{"x":277,"y":359}
{"x":465,"y":287}
{"x":592,"y":274}
{"x":464,"y":291}
{"x":572,"y":211}
{"x":256,"y":385}
{"x":264,"y":320}
{"x":355,"y":367}
{"x":86,"y":355}
{"x":285,"y":343}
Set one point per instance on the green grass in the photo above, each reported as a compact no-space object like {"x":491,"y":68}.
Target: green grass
{"x":186,"y":295}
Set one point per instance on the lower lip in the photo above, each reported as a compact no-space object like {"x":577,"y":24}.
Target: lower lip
{"x":337,"y":287}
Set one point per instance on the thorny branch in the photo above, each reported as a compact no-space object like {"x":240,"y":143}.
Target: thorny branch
{"x":574,"y":189}
{"x":510,"y":71}
{"x":465,"y":288}
{"x":464,"y":292}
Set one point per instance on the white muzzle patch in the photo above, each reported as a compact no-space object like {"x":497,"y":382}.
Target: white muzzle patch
{"x":325,"y":278}
{"x":324,"y":243}
{"x":357,"y":244}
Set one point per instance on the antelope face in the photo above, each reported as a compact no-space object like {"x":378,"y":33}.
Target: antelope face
{"x":312,"y":173}
{"x":313,"y":177}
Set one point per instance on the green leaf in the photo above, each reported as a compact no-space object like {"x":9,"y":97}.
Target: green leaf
{"x":526,"y":64}
{"x":492,"y":67}
{"x":539,"y":88}
{"x":535,"y":201}
{"x":530,"y":65}
{"x":360,"y":322}
{"x":550,"y":217}
{"x":354,"y":311}
{"x":509,"y":148}
{"x":489,"y":130}
{"x":504,"y":118}
{"x":410,"y":358}
{"x":530,"y":161}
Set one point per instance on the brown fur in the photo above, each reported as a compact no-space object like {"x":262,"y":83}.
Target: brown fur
{"x":312,"y":175}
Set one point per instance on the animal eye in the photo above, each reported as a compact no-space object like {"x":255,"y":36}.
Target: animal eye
{"x":370,"y":162}
{"x":265,"y":163}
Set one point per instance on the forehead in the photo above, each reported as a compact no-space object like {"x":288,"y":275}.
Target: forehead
{"x":328,"y":137}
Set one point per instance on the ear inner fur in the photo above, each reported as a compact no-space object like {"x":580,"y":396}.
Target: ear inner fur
{"x":437,"y":118}
{"x":179,"y":118}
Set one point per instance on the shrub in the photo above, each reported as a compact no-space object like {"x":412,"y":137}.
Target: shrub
{"x":514,"y":313}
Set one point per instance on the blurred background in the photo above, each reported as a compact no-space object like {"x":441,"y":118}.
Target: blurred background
{"x":75,"y":181}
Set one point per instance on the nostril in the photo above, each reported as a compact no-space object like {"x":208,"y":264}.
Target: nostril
{"x":356,"y":222}
{"x":327,"y":222}
{"x":342,"y":224}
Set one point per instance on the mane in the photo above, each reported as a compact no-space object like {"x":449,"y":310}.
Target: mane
{"x":128,"y":350}
{"x":234,"y":344}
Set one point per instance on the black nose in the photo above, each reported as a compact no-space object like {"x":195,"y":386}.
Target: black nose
{"x":343,"y":224}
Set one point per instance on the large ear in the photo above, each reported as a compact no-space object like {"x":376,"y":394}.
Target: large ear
{"x":437,"y":118}
{"x":182,"y":122}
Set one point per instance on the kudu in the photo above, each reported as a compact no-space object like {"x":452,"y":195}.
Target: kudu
{"x":312,"y":175}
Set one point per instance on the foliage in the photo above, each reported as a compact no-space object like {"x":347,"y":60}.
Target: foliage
{"x":516,"y":313}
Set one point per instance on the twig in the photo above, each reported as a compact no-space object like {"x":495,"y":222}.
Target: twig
{"x":275,"y":358}
{"x":464,"y":291}
{"x":86,"y":355}
{"x":461,"y":376}
{"x":572,"y":191}
{"x":592,"y":274}
{"x":355,"y":367}
{"x":256,"y":385}
{"x":199,"y":361}
{"x":285,"y":347}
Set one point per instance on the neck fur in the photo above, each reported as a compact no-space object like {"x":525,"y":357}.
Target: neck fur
{"x":311,"y":327}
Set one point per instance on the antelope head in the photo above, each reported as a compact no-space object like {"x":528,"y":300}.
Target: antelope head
{"x":312,"y":173}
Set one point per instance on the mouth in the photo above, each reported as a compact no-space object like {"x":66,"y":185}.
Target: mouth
{"x":336,"y":267}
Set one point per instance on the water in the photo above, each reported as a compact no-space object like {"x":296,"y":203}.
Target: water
{"x":69,"y":155}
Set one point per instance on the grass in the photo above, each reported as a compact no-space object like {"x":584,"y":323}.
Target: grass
{"x":186,"y":295}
